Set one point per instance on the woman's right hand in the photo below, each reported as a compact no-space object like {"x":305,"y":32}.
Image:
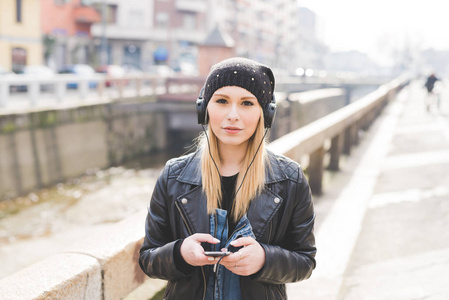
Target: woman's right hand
{"x":193,"y":252}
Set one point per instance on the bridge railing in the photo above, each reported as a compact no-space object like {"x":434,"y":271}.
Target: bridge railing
{"x":335,"y":133}
{"x":61,"y":87}
{"x":106,"y":267}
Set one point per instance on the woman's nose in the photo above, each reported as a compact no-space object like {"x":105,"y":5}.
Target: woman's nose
{"x":233,"y":113}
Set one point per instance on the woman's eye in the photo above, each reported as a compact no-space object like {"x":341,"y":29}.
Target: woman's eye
{"x":247,"y":103}
{"x":221,"y":101}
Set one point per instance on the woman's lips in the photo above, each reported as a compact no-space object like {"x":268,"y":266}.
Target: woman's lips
{"x":232,"y":130}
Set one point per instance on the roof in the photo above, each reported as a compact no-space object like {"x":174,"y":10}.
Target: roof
{"x":217,"y":37}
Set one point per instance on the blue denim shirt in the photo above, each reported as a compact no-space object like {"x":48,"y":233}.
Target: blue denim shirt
{"x":222,"y":283}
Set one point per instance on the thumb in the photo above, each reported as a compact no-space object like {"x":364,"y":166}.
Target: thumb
{"x":243,"y":241}
{"x":204,"y":237}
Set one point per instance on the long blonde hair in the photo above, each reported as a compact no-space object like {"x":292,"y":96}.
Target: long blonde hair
{"x":255,"y":178}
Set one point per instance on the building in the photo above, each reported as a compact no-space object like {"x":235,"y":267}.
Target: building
{"x":266,"y":31}
{"x":145,"y":33}
{"x":133,"y":33}
{"x":20,"y":34}
{"x":66,"y":26}
{"x":311,"y":51}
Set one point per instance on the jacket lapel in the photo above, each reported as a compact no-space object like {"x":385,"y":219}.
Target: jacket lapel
{"x":262,"y":211}
{"x":193,"y":203}
{"x":194,"y":209}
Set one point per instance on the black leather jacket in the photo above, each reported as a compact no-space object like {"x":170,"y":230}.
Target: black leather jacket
{"x":282,"y":218}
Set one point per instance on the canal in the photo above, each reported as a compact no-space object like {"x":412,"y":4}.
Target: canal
{"x":48,"y":221}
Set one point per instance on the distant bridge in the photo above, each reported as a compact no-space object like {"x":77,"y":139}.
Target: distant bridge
{"x":19,"y":92}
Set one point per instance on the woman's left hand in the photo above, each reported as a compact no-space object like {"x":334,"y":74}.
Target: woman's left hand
{"x":248,"y":260}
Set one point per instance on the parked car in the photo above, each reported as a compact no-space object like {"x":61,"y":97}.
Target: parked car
{"x":112,"y":71}
{"x":161,"y":70}
{"x":84,"y":71}
{"x":132,"y":70}
{"x":38,"y":71}
{"x":5,"y":74}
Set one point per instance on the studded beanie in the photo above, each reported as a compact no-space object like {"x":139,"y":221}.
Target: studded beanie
{"x":254,"y":77}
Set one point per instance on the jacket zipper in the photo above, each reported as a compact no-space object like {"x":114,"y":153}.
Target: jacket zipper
{"x":191,"y":232}
{"x":215,"y":228}
{"x":269,"y":233}
{"x":233,"y":233}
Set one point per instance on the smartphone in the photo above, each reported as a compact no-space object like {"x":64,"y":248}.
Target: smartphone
{"x":216,"y":253}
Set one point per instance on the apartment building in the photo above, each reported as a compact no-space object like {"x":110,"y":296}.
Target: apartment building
{"x":20,"y":34}
{"x":264,"y":30}
{"x":66,"y":26}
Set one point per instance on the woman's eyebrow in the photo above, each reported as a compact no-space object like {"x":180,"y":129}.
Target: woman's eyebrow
{"x":220,"y":95}
{"x":242,"y":98}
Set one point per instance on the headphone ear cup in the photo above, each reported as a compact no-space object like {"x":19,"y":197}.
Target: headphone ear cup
{"x":270,"y":112}
{"x":201,"y":111}
{"x":201,"y":108}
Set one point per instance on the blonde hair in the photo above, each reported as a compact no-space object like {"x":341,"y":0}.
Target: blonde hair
{"x":255,"y":178}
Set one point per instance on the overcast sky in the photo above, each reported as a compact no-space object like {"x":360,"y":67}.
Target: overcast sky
{"x":377,"y":27}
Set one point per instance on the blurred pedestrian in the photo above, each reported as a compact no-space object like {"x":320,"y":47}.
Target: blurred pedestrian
{"x":431,"y":97}
{"x":232,"y":220}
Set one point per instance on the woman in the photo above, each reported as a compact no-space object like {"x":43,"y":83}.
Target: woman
{"x":231,"y":195}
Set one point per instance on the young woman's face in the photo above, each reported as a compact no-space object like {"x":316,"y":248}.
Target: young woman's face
{"x":233,"y":115}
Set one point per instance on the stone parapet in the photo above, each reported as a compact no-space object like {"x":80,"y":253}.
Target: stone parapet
{"x":98,"y":267}
{"x":63,"y":276}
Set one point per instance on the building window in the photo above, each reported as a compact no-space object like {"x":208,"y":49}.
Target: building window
{"x":19,"y":11}
{"x":162,"y":20}
{"x":136,"y":19}
{"x":112,"y":14}
{"x":19,"y":59}
{"x":189,"y":21}
{"x":106,"y":11}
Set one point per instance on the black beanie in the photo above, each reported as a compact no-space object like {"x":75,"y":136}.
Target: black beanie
{"x":254,"y":77}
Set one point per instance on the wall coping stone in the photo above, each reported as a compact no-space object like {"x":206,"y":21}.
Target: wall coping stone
{"x":63,"y":276}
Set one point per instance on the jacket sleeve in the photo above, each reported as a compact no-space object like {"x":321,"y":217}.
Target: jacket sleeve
{"x":156,"y":254}
{"x":294,"y":259}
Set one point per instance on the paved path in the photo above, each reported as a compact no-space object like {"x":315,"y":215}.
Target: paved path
{"x":385,"y":234}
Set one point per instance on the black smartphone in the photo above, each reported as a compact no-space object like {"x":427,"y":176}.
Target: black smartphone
{"x":216,"y":253}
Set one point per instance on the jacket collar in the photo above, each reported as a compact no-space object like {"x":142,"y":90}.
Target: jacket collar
{"x":191,"y":173}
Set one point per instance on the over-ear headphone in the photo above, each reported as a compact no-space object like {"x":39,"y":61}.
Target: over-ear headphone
{"x":201,"y":108}
{"x":268,"y":112}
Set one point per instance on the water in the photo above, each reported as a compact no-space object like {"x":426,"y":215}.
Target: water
{"x":47,"y":221}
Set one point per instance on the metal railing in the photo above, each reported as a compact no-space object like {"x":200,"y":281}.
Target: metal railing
{"x":32,"y":90}
{"x":341,"y":128}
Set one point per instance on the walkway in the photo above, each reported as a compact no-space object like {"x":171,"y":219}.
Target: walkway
{"x":385,"y":235}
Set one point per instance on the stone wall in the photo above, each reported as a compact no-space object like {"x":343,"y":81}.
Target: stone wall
{"x":40,"y":148}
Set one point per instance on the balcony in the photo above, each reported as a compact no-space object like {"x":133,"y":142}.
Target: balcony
{"x":86,"y":15}
{"x":196,"y":6}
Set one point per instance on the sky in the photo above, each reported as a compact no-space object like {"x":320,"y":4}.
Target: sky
{"x":380,"y":27}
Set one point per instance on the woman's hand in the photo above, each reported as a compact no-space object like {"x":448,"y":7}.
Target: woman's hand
{"x":247,"y":260}
{"x":193,"y":252}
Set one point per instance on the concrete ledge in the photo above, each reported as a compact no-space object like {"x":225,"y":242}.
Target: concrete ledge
{"x":64,"y":276}
{"x":98,"y":267}
{"x":118,"y":252}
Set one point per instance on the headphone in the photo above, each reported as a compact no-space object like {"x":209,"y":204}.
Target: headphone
{"x":269,"y":111}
